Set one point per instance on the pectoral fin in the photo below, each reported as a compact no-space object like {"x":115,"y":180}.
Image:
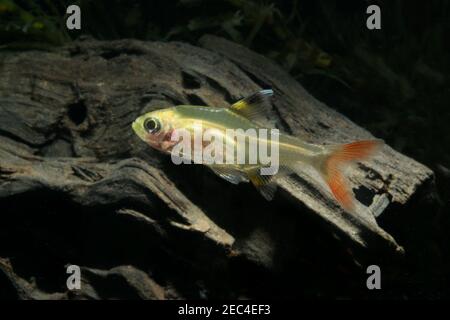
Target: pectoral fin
{"x":230,"y":174}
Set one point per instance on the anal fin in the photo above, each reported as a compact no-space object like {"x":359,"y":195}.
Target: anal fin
{"x":264,"y":183}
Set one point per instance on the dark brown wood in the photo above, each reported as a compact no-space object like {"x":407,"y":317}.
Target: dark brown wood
{"x":77,"y":186}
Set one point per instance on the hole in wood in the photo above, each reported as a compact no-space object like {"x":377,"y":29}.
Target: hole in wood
{"x":77,"y":112}
{"x":189,"y":81}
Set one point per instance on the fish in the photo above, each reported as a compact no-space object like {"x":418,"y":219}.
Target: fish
{"x":157,"y":129}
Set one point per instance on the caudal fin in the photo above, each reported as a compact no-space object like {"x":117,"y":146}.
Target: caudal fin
{"x":333,"y":164}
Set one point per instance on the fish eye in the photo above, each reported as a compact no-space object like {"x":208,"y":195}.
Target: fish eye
{"x":152,"y":125}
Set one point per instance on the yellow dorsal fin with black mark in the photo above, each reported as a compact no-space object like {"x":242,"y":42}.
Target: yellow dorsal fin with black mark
{"x":255,"y":107}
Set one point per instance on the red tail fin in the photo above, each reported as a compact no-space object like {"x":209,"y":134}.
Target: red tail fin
{"x":335,"y":162}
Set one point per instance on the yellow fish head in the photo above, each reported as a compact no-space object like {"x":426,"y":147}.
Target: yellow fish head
{"x":156,"y":128}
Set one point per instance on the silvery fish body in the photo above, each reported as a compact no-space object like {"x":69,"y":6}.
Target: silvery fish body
{"x":237,"y":145}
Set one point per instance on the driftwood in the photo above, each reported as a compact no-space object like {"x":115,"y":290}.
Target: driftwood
{"x":78,"y":187}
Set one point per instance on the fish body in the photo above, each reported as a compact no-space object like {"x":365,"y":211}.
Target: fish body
{"x":157,"y":129}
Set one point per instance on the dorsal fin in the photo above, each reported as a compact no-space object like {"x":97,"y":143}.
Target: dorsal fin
{"x":256,"y":107}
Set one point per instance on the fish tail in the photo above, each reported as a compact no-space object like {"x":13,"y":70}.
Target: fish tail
{"x":333,"y":162}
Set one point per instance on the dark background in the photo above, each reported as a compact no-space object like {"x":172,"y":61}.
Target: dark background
{"x":392,"y":81}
